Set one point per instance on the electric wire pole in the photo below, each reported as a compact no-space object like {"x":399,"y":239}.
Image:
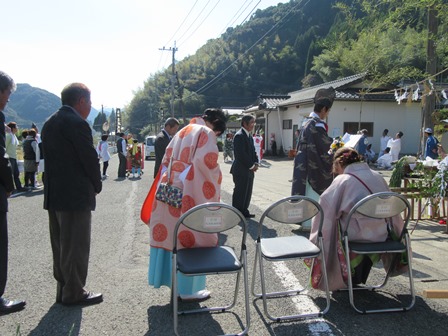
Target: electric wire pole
{"x":173,"y":75}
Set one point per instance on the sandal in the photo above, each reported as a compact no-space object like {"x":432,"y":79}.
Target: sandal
{"x":199,"y":296}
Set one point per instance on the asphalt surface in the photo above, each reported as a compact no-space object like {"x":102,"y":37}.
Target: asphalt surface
{"x":119,"y":264}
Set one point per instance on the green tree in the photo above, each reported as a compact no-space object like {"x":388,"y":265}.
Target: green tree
{"x":98,"y":122}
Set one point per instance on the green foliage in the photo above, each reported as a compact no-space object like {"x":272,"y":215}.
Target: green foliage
{"x":100,"y":119}
{"x":289,"y":46}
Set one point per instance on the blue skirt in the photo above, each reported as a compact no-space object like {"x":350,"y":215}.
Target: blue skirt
{"x":159,"y":274}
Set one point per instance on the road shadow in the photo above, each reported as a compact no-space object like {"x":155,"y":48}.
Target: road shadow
{"x":192,"y":324}
{"x":59,"y":320}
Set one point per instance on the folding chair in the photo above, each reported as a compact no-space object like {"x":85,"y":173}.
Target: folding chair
{"x":289,"y":210}
{"x":382,"y":205}
{"x":218,"y":260}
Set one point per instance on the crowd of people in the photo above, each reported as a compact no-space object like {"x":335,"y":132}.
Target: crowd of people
{"x":187,"y":160}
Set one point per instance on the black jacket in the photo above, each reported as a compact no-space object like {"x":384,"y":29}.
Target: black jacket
{"x":244,"y":152}
{"x":72,"y":170}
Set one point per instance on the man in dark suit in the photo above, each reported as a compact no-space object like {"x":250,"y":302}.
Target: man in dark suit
{"x":244,"y":166}
{"x":162,"y":141}
{"x":7,"y":86}
{"x":122,"y":153}
{"x":72,"y":181}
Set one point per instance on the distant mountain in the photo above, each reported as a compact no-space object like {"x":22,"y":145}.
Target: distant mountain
{"x":29,"y":105}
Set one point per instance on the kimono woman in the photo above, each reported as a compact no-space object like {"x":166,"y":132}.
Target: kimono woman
{"x":343,"y":193}
{"x":196,"y":171}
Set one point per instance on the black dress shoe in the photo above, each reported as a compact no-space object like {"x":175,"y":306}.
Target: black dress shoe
{"x":90,"y":298}
{"x":249,"y":215}
{"x":8,"y":306}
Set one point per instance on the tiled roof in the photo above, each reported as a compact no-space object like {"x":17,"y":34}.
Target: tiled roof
{"x":307,"y":95}
{"x":346,"y":89}
{"x":267,"y":102}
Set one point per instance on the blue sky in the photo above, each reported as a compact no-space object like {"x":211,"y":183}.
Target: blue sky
{"x":112,"y":46}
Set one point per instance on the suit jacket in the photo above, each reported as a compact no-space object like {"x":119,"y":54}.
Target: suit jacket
{"x":160,"y":143}
{"x":6,"y":181}
{"x":72,"y":170}
{"x":244,"y":152}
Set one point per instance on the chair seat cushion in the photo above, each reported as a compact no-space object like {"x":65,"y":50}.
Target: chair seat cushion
{"x":388,"y":246}
{"x":288,"y":247}
{"x":207,"y":260}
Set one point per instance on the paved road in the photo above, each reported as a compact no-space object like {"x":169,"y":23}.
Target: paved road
{"x":119,"y":261}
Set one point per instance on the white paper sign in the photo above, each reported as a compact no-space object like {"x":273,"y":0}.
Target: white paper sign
{"x":296,"y":213}
{"x":212,"y":221}
{"x":382,"y":209}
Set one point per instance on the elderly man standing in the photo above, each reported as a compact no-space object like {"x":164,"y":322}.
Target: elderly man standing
{"x":7,"y":86}
{"x":69,"y":152}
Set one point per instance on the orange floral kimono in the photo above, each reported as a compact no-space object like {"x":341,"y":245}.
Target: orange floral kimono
{"x":196,"y":171}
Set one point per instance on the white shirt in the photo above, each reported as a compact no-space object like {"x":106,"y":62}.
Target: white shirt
{"x":395,"y":148}
{"x":103,"y":151}
{"x":385,"y":161}
{"x":383,"y":142}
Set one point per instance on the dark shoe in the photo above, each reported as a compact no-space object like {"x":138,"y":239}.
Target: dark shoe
{"x":249,"y":215}
{"x":8,"y":306}
{"x":89,"y":299}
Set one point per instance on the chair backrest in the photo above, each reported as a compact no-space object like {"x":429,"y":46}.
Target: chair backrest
{"x":381,"y":205}
{"x":212,"y":217}
{"x":292,"y":210}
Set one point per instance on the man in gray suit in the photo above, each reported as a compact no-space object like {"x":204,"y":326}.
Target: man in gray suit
{"x":162,"y":141}
{"x":72,"y":181}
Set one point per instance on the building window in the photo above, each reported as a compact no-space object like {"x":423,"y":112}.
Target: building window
{"x":354,"y":127}
{"x":287,"y":124}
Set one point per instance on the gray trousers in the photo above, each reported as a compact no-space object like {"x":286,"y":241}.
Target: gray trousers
{"x":70,"y":243}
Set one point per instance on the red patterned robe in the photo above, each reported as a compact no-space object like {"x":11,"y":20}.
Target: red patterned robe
{"x":193,"y":148}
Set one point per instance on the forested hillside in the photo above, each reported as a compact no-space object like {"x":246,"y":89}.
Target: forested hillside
{"x":31,"y":105}
{"x":294,"y":45}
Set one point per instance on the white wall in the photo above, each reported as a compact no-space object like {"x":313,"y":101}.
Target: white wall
{"x":388,"y":115}
{"x":383,"y":115}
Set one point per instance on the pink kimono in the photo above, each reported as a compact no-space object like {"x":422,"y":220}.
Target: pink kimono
{"x":196,"y":171}
{"x":194,"y":148}
{"x":344,"y":192}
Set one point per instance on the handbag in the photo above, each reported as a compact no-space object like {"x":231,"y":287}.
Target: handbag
{"x":168,"y":193}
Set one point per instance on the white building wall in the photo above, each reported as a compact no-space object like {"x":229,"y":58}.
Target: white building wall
{"x":383,"y":115}
{"x":390,"y":115}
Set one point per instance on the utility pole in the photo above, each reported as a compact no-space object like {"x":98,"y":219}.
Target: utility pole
{"x":431,"y":69}
{"x":181,"y":102}
{"x":173,"y":74}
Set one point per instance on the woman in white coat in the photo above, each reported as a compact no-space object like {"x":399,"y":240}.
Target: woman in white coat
{"x":103,"y":153}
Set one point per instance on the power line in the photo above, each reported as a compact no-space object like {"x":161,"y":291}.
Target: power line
{"x":237,"y":13}
{"x":180,"y":26}
{"x":197,"y":17}
{"x":223,"y":72}
{"x":202,"y":21}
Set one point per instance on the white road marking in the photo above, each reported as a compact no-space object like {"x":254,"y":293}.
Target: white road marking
{"x":316,"y":326}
